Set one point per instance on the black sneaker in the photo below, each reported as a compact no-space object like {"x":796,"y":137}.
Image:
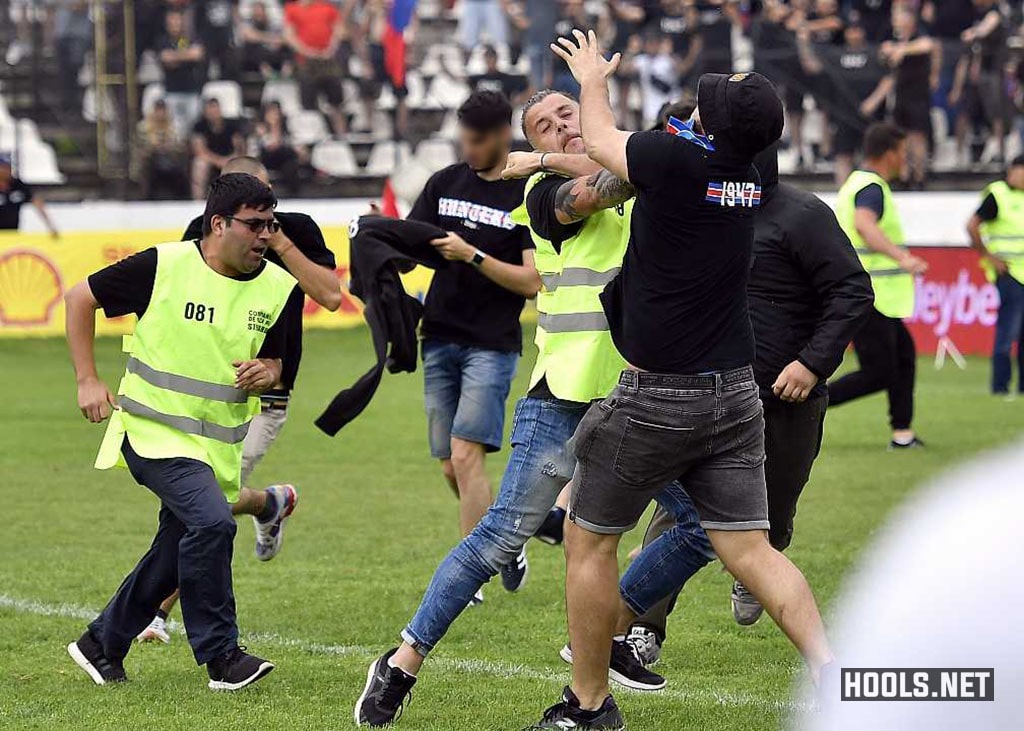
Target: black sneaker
{"x":88,"y":655}
{"x":552,"y":529}
{"x":626,"y":668}
{"x":513,"y":575}
{"x":568,"y":715}
{"x":236,"y":669}
{"x":385,"y":693}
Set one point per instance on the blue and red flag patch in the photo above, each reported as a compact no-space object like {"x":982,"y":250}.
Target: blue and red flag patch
{"x":734,"y":194}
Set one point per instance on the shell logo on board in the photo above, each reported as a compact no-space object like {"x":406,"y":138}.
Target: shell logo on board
{"x":30,"y":288}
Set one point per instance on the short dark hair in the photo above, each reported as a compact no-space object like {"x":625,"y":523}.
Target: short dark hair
{"x":1016,"y":162}
{"x":881,"y":138}
{"x":233,"y":191}
{"x":485,"y":111}
{"x":681,"y":109}
{"x":537,"y":99}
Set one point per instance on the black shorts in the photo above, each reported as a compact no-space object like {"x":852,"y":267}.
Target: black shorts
{"x":706,"y":431}
{"x":913,"y":115}
{"x":320,"y":76}
{"x":847,"y":138}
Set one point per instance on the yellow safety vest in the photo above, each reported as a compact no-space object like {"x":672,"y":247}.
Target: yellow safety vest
{"x":894,"y":288}
{"x":177,"y":397}
{"x":1004,"y":235}
{"x":575,"y":350}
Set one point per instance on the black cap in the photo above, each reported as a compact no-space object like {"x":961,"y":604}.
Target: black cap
{"x":744,"y":109}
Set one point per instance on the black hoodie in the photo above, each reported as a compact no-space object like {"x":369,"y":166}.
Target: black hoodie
{"x":808,"y":292}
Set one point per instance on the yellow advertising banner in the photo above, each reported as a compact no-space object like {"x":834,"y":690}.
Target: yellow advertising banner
{"x":36,"y":270}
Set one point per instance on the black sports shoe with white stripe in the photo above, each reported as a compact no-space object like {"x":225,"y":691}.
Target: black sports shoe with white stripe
{"x":384,"y":693}
{"x":568,"y":715}
{"x":236,"y":669}
{"x":88,"y":655}
{"x":513,"y":575}
{"x":626,"y":667}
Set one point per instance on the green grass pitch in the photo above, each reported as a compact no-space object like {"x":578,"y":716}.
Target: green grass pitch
{"x":374,"y":519}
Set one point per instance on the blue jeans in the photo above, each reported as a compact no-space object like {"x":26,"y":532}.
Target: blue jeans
{"x":539,"y":467}
{"x":665,"y":565}
{"x":1009,"y":330}
{"x":465,"y":390}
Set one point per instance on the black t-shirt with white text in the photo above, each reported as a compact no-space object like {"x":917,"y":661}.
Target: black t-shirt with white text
{"x":11,"y":201}
{"x":463,"y":306}
{"x":679,"y":305}
{"x":126,"y":287}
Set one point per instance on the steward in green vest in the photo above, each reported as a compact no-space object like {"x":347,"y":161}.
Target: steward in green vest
{"x":866,"y":210}
{"x":997,"y":234}
{"x":208,"y":340}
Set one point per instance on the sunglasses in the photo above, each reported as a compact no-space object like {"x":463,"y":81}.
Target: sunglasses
{"x":256,"y":225}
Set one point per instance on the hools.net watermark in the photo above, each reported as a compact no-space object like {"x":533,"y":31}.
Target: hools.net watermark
{"x":918,"y":684}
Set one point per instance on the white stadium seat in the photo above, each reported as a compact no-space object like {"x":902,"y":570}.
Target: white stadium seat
{"x":150,"y":95}
{"x":307,"y":127}
{"x":285,"y":93}
{"x":386,"y":156}
{"x":37,"y":163}
{"x":334,"y":158}
{"x":436,"y":153}
{"x":448,"y":92}
{"x":228,"y":93}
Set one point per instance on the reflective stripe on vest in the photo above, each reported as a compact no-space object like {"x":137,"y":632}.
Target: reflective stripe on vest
{"x":578,"y":277}
{"x":226,"y":434}
{"x":186,"y":385}
{"x":574,"y":322}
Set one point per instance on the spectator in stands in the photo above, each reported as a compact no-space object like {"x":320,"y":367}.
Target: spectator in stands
{"x":373,"y":29}
{"x":215,"y":140}
{"x":775,"y":55}
{"x":13,"y":195}
{"x":478,"y":18}
{"x":215,"y":25}
{"x":979,"y":76}
{"x":513,"y":86}
{"x":876,"y":15}
{"x":314,"y":29}
{"x":657,"y":69}
{"x":573,"y":14}
{"x":182,"y":58}
{"x":628,"y":18}
{"x":914,"y":60}
{"x":823,"y":22}
{"x":542,"y":15}
{"x":262,"y":43}
{"x":162,"y":156}
{"x":718,"y":20}
{"x":679,"y":20}
{"x":279,"y":155}
{"x":518,"y":25}
{"x":948,"y":20}
{"x":74,"y":35}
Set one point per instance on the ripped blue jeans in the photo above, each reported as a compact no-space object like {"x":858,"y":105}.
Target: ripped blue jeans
{"x":539,"y":467}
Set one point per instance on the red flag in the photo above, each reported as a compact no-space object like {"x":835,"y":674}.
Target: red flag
{"x":394,"y":55}
{"x":388,"y":202}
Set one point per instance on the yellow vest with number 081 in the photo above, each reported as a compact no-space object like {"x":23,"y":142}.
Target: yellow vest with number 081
{"x":575,"y":350}
{"x":1004,"y":235}
{"x":177,"y":397}
{"x":894,"y":287}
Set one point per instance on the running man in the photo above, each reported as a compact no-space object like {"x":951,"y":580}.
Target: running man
{"x":299,"y":247}
{"x":209,"y":339}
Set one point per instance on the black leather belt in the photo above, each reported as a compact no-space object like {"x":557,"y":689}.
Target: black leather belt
{"x":643,"y":379}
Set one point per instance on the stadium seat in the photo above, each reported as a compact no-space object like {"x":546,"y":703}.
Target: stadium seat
{"x":150,"y":95}
{"x":307,"y":127}
{"x":228,"y":93}
{"x":448,"y":92}
{"x":274,"y":11}
{"x":386,"y":156}
{"x":149,"y":71}
{"x":5,"y":115}
{"x":436,"y":153}
{"x":418,"y":97}
{"x":334,"y":158}
{"x":37,"y":164}
{"x":284,"y":92}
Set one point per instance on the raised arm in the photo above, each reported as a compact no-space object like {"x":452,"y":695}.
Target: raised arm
{"x":319,"y":282}
{"x":606,"y":144}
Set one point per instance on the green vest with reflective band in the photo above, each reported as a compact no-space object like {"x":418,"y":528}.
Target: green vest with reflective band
{"x":574,"y":344}
{"x":1004,"y":235}
{"x":894,"y":288}
{"x":177,"y":397}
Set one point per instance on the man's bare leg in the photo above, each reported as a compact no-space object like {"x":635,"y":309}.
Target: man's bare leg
{"x":592,"y":604}
{"x":468,"y":459}
{"x":781,"y":589}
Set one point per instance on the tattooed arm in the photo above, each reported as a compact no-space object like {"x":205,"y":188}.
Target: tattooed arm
{"x":577,"y":199}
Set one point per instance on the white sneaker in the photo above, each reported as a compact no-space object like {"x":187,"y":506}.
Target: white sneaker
{"x":477,"y":599}
{"x":270,"y":534}
{"x":157,"y":630}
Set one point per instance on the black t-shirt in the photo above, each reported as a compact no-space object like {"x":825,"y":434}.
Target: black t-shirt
{"x":876,"y":17}
{"x":463,"y":306}
{"x":871,"y":197}
{"x":11,"y":201}
{"x":952,"y":17}
{"x":127,"y":286}
{"x":849,"y":77}
{"x":989,"y":209}
{"x":302,"y":231}
{"x":186,"y":77}
{"x":507,"y":84}
{"x":680,"y":303}
{"x":219,"y":141}
{"x":540,"y":204}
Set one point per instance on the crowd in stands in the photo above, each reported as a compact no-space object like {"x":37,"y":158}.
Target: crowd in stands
{"x":948,"y":71}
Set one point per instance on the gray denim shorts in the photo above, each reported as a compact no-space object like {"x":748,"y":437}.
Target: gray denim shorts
{"x":706,"y":431}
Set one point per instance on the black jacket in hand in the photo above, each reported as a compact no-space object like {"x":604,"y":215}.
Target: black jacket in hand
{"x":808,"y":292}
{"x":380,"y":249}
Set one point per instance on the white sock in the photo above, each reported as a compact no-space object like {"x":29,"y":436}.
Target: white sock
{"x":391,"y":664}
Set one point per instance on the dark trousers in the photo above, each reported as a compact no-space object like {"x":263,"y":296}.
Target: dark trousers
{"x":1009,"y":332}
{"x":792,"y":440}
{"x":191,"y":551}
{"x":888,"y":362}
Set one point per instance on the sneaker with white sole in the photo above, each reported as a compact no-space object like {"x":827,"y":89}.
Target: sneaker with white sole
{"x":236,"y":669}
{"x":646,"y":644}
{"x":155,"y":631}
{"x":626,"y":668}
{"x":746,"y":610}
{"x":386,"y":691}
{"x":270,"y":533}
{"x":567,"y":714}
{"x":513,"y":575}
{"x":88,"y":655}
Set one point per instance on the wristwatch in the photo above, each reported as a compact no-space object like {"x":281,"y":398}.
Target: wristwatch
{"x":478,"y":258}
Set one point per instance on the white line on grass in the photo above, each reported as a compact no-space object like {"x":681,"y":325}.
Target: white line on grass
{"x":484,"y":667}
